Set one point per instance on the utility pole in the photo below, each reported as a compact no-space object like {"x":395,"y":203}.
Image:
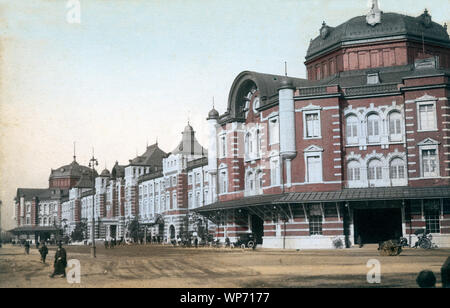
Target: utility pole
{"x":1,"y":231}
{"x":92,"y":163}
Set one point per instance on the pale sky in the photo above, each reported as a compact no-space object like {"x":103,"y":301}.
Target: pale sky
{"x":134,"y":71}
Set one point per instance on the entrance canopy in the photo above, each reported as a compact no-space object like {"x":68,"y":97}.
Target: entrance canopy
{"x":259,"y":205}
{"x":368,"y":194}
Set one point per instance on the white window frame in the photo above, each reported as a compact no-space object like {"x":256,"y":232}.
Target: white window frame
{"x":313,"y":151}
{"x":375,"y":182}
{"x":353,"y":140}
{"x":275,"y":171}
{"x":374,"y":138}
{"x":422,"y":171}
{"x":274,"y":130}
{"x":397,"y":136}
{"x":223,"y":145}
{"x":223,"y":175}
{"x":398,"y":181}
{"x":419,"y":123}
{"x":305,"y":127}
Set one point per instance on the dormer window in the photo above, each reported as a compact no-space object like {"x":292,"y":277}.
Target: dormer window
{"x":373,"y":78}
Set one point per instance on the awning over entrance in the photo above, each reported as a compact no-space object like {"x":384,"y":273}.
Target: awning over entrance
{"x":368,"y":194}
{"x":239,"y":203}
{"x":360,"y":194}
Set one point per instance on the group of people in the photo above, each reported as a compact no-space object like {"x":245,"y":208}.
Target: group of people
{"x":60,"y":262}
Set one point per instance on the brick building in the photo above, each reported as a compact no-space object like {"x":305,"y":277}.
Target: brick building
{"x":360,"y":150}
{"x":38,"y":212}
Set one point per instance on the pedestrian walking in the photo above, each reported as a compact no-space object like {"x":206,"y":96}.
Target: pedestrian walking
{"x":60,"y":262}
{"x":27,"y":248}
{"x":44,"y":252}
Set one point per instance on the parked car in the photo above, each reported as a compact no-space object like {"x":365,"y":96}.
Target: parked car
{"x":246,"y":240}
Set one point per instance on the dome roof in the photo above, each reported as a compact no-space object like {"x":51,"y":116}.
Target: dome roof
{"x":213,"y":114}
{"x":392,"y":25}
{"x":74,"y":170}
{"x":105,"y":172}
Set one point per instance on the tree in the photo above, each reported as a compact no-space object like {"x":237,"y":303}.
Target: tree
{"x":133,"y":229}
{"x":79,"y":233}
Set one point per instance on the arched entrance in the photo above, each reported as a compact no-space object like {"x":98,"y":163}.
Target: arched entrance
{"x":172,"y":232}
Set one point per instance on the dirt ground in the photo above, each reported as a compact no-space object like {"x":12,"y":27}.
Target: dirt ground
{"x":174,"y":267}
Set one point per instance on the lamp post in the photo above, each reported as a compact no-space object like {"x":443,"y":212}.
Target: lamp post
{"x":92,"y":163}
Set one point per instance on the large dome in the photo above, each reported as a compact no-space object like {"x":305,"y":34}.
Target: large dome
{"x":391,"y":26}
{"x":74,"y":170}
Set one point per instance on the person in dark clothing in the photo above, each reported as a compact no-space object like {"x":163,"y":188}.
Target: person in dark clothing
{"x":426,"y":279}
{"x":196,"y":242}
{"x":37,"y":245}
{"x":27,"y":247}
{"x":44,"y":252}
{"x":60,"y":262}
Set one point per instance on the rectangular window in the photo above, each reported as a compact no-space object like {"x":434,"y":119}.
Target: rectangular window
{"x":429,"y":163}
{"x":314,"y":169}
{"x":427,"y":117}
{"x":354,"y":174}
{"x":374,"y":173}
{"x":312,"y":125}
{"x":274,"y":131}
{"x":223,"y":147}
{"x":315,"y":225}
{"x":432,"y":219}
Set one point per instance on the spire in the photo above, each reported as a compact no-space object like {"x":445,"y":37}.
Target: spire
{"x":375,"y":5}
{"x":74,"y":152}
{"x":374,"y":16}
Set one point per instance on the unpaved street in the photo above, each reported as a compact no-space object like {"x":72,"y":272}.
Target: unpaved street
{"x":165,"y":266}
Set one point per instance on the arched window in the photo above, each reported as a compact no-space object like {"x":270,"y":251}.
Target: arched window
{"x":274,"y":172}
{"x":174,"y":200}
{"x":258,"y":143}
{"x":259,"y":182}
{"x":352,"y":129}
{"x":250,"y":183}
{"x":395,"y":126}
{"x":247,"y":145}
{"x":354,"y":171}
{"x":373,"y":128}
{"x":223,"y":182}
{"x":397,"y":169}
{"x":375,"y":170}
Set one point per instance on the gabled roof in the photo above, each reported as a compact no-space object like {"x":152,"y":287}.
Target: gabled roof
{"x":118,"y":171}
{"x":153,"y":156}
{"x":30,"y":193}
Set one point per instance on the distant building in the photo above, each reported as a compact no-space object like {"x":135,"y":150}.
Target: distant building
{"x":38,"y":212}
